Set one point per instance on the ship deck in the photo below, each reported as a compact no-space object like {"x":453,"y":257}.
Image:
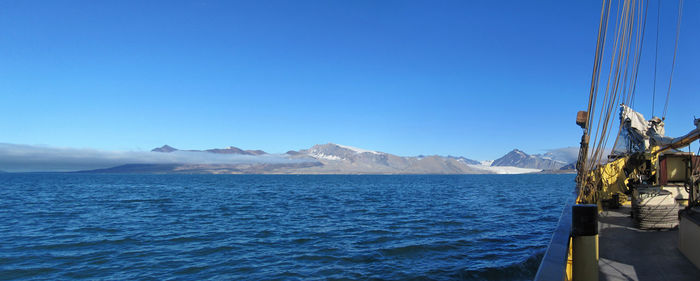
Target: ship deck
{"x":627,"y":253}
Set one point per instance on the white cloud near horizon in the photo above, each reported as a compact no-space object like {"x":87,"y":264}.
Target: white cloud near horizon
{"x":565,"y":154}
{"x":570,"y":154}
{"x":33,"y":158}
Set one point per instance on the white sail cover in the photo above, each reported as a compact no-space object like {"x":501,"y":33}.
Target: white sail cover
{"x":633,"y":120}
{"x":638,"y":133}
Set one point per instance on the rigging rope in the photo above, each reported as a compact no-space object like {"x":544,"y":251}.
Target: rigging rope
{"x":675,"y":51}
{"x":640,"y":38}
{"x":620,"y":48}
{"x":656,"y":57}
{"x":641,"y":30}
{"x":620,"y":85}
{"x":582,"y":162}
{"x":622,"y":64}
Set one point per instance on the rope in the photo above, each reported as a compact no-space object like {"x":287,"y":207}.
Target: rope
{"x":600,"y":46}
{"x":611,"y":91}
{"x":641,"y":30}
{"x":607,"y":99}
{"x":675,"y":51}
{"x":593,"y":94}
{"x":620,"y":85}
{"x":656,"y":56}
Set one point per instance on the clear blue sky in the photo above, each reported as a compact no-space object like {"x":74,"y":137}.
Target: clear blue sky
{"x":471,"y":78}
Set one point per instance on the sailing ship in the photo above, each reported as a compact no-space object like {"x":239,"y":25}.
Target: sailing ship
{"x":636,"y":212}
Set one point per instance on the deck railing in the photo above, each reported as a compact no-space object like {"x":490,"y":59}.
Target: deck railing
{"x":553,"y":266}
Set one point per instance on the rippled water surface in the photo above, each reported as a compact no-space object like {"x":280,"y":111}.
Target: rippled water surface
{"x":65,"y":226}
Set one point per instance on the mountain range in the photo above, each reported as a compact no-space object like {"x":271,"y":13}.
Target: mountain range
{"x":518,"y":158}
{"x":228,"y":150}
{"x":333,"y":158}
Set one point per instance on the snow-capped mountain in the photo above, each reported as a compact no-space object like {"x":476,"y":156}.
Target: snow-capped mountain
{"x":336,"y":158}
{"x":331,"y":151}
{"x":518,"y":158}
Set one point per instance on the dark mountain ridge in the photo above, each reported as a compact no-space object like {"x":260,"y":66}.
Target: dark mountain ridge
{"x":229,"y":150}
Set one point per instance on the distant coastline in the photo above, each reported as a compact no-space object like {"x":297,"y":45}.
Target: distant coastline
{"x":158,"y":169}
{"x":321,"y":159}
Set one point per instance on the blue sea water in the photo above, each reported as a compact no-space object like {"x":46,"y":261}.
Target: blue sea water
{"x":252,"y":227}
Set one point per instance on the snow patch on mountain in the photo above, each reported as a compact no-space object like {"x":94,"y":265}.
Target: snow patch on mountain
{"x":324,"y":156}
{"x":503,"y":169}
{"x":358,"y":150}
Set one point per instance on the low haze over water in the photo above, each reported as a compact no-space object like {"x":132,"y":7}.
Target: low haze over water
{"x":65,"y":226}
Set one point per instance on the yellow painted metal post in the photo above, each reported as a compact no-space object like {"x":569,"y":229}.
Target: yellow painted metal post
{"x":584,"y":225}
{"x":569,"y":262}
